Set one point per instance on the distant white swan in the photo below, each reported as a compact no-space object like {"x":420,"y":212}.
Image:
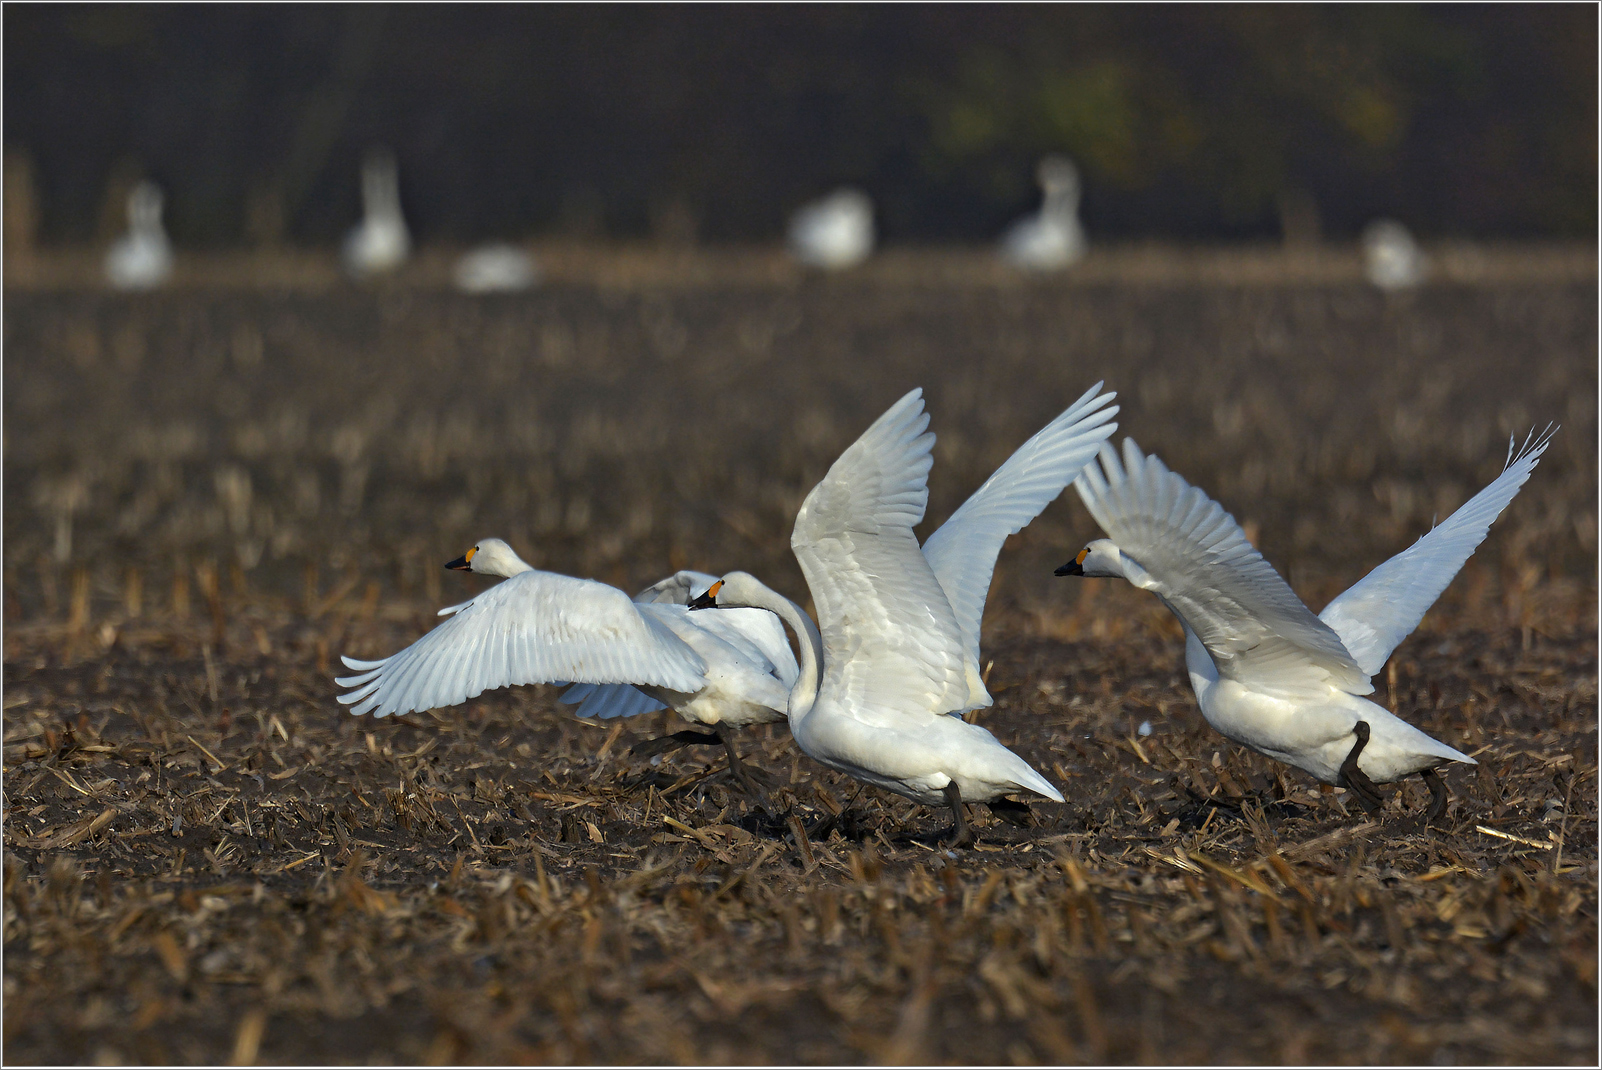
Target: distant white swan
{"x":142,"y":258}
{"x":883,"y":685}
{"x":380,"y":243}
{"x":835,"y":232}
{"x":1392,"y":260}
{"x":1266,"y":672}
{"x":495,"y":268}
{"x":1052,"y":239}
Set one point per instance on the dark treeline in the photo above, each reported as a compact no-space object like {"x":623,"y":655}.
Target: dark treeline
{"x":1189,"y":122}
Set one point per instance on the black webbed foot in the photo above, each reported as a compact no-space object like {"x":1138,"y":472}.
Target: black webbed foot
{"x":1354,"y":779}
{"x":663,"y":744}
{"x":1012,"y":812}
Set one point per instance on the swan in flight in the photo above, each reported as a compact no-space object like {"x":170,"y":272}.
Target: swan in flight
{"x":1052,"y":239}
{"x":380,"y":243}
{"x":495,"y":268}
{"x":142,"y":258}
{"x":1266,"y":672}
{"x":835,"y":232}
{"x":894,"y":660}
{"x":1392,"y":260}
{"x":542,"y":627}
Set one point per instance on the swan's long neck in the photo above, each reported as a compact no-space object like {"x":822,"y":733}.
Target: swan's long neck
{"x":805,"y":691}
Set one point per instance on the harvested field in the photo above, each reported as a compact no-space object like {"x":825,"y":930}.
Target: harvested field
{"x":211,"y":493}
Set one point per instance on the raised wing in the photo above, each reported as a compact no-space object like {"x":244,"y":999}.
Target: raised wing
{"x":537,"y":627}
{"x":892,"y":644}
{"x":1384,"y":607}
{"x":680,"y":587}
{"x":1197,"y":559}
{"x":963,"y":551}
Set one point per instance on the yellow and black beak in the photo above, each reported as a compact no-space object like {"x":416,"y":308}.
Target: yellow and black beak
{"x":463,"y":563}
{"x":1076,"y":567}
{"x":709,"y":600}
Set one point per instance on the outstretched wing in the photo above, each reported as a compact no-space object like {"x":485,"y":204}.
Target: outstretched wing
{"x":1195,"y":556}
{"x":963,"y":551}
{"x":893,"y":645}
{"x":1384,"y":607}
{"x":537,"y":627}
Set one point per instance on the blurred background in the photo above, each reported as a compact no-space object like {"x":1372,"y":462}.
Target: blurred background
{"x":683,"y":124}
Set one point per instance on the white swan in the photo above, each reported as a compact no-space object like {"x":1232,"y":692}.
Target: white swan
{"x":898,"y":652}
{"x":1052,"y":239}
{"x":380,"y":243}
{"x":1266,"y":672}
{"x":1392,"y":260}
{"x":495,"y":268}
{"x":542,"y":627}
{"x":835,"y":232}
{"x":142,"y":258}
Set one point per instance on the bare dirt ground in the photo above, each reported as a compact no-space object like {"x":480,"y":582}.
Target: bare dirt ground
{"x":211,"y":493}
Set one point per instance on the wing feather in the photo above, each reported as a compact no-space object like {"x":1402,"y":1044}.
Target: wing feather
{"x":963,"y":551}
{"x":893,"y":645}
{"x":1196,"y":558}
{"x":1384,"y":607}
{"x":537,"y":627}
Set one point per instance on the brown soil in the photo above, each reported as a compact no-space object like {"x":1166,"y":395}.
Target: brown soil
{"x":211,"y":494}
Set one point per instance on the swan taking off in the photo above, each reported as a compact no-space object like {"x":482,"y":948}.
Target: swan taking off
{"x":380,"y":243}
{"x":1266,"y":672}
{"x":835,"y":232}
{"x":1392,"y":260}
{"x":541,"y":627}
{"x":142,"y":258}
{"x":495,"y":268}
{"x":896,"y":662}
{"x":1052,"y":239}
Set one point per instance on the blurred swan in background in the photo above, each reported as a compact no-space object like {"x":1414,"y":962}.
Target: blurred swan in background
{"x":1052,"y":238}
{"x":1392,"y":260}
{"x":142,"y":258}
{"x":1266,"y":672}
{"x":896,"y":662}
{"x":380,"y":243}
{"x":495,"y":268}
{"x":835,"y":232}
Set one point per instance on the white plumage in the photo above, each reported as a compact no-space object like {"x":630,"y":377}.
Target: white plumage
{"x":495,"y":268}
{"x":1053,"y":238}
{"x":142,"y":258}
{"x":891,"y":659}
{"x":1392,"y":260}
{"x":535,"y":628}
{"x":380,"y":243}
{"x":1267,"y":673}
{"x":835,"y":232}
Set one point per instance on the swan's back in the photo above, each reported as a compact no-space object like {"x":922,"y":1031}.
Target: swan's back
{"x":891,"y":643}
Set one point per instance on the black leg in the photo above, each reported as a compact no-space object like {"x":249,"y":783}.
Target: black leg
{"x":1012,"y":812}
{"x":1357,"y":782}
{"x":961,"y":834}
{"x":737,"y":767}
{"x":663,"y":744}
{"x":1438,"y":795}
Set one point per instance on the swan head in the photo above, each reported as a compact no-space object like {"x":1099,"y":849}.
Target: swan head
{"x":144,"y":207}
{"x":734,"y":589}
{"x":1057,"y":175}
{"x":491,"y":557}
{"x":1101,"y":557}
